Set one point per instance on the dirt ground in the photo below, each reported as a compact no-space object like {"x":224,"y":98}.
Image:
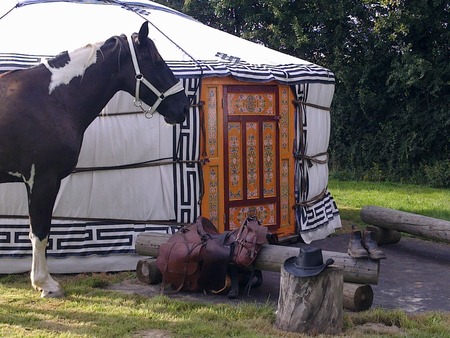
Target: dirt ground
{"x":414,"y":277}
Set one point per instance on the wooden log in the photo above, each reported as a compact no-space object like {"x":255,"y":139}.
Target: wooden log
{"x":407,"y":222}
{"x":311,"y":305}
{"x":272,"y":257}
{"x":147,"y":271}
{"x":357,"y":297}
{"x":385,"y":236}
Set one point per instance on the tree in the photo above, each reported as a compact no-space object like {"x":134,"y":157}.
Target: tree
{"x":391,"y":116}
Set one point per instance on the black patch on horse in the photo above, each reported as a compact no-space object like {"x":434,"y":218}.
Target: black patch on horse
{"x":60,"y":60}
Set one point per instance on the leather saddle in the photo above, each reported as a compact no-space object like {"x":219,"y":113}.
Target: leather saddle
{"x":197,"y":257}
{"x":192,"y":259}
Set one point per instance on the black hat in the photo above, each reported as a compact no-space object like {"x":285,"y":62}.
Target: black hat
{"x":309,"y":262}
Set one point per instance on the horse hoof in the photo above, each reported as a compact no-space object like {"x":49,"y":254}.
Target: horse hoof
{"x":52,"y":294}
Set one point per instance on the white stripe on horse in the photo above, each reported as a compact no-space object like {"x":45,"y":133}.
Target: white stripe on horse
{"x":80,"y":60}
{"x":30,"y":181}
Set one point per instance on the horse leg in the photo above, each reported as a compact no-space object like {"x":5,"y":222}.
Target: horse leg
{"x":42,"y":195}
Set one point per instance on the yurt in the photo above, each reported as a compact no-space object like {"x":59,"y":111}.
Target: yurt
{"x":255,"y":140}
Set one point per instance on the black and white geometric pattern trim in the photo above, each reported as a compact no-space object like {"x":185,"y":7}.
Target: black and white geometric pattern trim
{"x":76,"y":239}
{"x":187,"y":174}
{"x":311,"y":217}
{"x":187,"y":178}
{"x":10,"y":61}
{"x":285,"y":74}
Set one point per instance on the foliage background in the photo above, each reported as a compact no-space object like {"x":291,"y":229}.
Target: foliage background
{"x":390,"y":114}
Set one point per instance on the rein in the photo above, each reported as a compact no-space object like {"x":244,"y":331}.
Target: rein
{"x":178,"y":87}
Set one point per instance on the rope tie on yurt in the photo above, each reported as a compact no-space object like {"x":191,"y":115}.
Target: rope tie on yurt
{"x":151,"y":163}
{"x":311,"y":201}
{"x":201,"y":109}
{"x":300,"y":108}
{"x":310,"y":159}
{"x":312,"y":105}
{"x":14,"y":7}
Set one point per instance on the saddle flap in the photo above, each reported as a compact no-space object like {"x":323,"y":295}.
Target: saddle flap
{"x":252,"y":232}
{"x":179,"y":257}
{"x":215,"y":263}
{"x":249,"y":240}
{"x":179,"y":264}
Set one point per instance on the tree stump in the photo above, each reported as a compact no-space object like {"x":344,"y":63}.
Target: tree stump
{"x":311,"y":305}
{"x":147,"y":271}
{"x":357,"y":297}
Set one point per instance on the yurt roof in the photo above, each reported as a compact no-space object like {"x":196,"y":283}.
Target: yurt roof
{"x":30,"y":28}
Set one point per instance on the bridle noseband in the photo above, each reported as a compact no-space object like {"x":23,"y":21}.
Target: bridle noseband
{"x":178,"y":87}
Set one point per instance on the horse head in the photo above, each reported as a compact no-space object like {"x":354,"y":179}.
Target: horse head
{"x":155,"y":84}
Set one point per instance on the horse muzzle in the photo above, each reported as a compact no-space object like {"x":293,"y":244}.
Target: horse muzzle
{"x":173,"y":118}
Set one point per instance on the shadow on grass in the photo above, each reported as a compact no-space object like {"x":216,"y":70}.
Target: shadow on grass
{"x":93,"y":312}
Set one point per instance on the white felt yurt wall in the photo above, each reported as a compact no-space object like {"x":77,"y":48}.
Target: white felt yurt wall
{"x":100,"y":211}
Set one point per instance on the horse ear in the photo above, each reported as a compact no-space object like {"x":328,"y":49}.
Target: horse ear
{"x":143,"y":33}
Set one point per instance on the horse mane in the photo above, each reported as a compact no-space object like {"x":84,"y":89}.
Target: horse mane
{"x":119,"y":42}
{"x":63,"y":59}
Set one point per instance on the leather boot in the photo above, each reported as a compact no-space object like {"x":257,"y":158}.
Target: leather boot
{"x":355,"y":247}
{"x":371,"y":245}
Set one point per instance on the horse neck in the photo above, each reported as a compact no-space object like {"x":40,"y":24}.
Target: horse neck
{"x":97,"y":82}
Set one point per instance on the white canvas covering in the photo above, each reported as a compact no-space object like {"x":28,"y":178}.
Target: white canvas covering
{"x":72,"y":26}
{"x":132,"y":194}
{"x":36,"y":29}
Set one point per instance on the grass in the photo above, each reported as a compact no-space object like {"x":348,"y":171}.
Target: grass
{"x":91,"y":310}
{"x":351,"y":196}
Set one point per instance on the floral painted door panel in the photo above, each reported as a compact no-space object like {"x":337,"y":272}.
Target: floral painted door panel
{"x":251,"y":128}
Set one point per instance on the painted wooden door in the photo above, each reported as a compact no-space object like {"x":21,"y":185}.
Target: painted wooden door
{"x":251,"y":153}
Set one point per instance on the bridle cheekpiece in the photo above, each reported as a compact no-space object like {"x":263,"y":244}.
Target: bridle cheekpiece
{"x":178,"y":87}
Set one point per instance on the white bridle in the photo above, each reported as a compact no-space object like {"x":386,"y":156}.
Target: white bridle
{"x":178,"y":87}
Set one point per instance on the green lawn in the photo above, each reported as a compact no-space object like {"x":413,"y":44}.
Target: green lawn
{"x":91,"y":310}
{"x":351,"y":196}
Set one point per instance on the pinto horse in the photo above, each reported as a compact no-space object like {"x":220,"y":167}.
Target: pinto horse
{"x":45,"y":110}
